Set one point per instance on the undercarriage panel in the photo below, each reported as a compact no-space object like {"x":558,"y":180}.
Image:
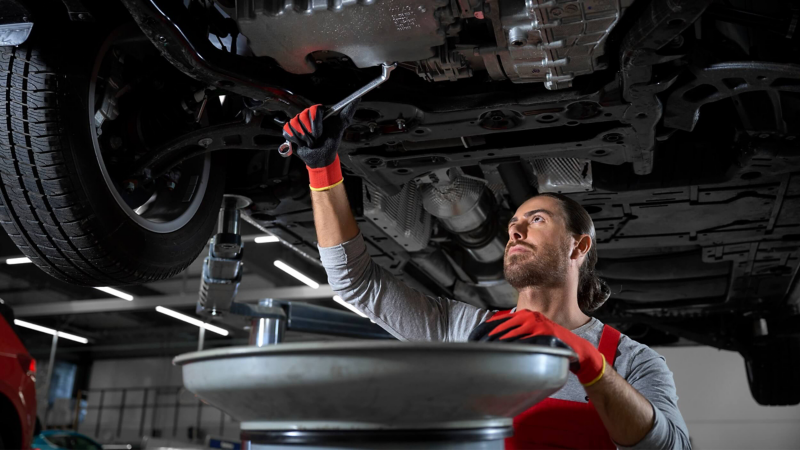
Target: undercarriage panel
{"x":367,"y":32}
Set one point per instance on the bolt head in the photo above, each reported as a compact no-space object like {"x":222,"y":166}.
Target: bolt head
{"x":205,"y":142}
{"x":571,"y":8}
{"x":115,"y":142}
{"x":556,"y":12}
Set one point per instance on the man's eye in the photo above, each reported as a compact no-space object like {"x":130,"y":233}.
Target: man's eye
{"x":537,"y":219}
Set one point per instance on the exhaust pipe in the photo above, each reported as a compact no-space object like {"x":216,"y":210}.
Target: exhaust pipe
{"x":465,"y":207}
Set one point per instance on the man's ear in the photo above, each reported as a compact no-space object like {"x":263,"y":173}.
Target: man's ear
{"x":583,"y":243}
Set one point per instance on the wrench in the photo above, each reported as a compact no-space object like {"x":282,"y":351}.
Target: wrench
{"x":286,"y":150}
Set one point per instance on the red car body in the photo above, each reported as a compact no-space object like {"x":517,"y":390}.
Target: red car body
{"x":17,"y":387}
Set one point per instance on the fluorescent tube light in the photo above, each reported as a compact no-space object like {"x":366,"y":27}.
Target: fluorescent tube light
{"x":265,"y":239}
{"x":14,"y":261}
{"x":50,"y":331}
{"x":293,"y":272}
{"x":341,"y":301}
{"x":192,"y":320}
{"x":116,"y":293}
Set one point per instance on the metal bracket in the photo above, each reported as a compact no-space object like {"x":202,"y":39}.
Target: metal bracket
{"x":321,"y":320}
{"x":77,"y":11}
{"x":720,"y":81}
{"x":658,"y":25}
{"x":279,"y":315}
{"x":238,"y":135}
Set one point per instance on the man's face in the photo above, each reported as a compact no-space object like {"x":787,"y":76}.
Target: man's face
{"x":539,"y":247}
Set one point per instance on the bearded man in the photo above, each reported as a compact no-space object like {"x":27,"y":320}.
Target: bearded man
{"x":621,"y":393}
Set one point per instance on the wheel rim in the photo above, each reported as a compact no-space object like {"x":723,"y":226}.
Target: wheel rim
{"x":165,"y":210}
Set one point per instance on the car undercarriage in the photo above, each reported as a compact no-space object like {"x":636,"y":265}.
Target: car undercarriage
{"x":674,"y":123}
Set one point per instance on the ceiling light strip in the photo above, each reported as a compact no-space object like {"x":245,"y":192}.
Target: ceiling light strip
{"x":15,"y":261}
{"x":191,"y":320}
{"x":116,"y":293}
{"x":295,"y":273}
{"x":50,"y":331}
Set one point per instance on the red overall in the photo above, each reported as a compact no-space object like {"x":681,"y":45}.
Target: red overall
{"x":555,"y":423}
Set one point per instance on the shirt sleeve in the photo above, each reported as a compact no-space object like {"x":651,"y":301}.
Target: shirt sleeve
{"x":650,"y":376}
{"x":405,"y":313}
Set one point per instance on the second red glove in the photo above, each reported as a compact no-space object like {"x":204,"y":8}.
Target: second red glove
{"x":525,"y":325}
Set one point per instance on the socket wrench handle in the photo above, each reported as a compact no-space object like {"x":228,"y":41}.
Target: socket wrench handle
{"x":286,"y":149}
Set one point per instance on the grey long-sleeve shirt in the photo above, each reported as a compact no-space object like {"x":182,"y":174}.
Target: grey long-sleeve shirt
{"x":410,"y":315}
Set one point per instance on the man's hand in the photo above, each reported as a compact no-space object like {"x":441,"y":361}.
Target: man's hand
{"x":318,"y":148}
{"x":525,"y":326}
{"x":318,"y":145}
{"x":626,"y":414}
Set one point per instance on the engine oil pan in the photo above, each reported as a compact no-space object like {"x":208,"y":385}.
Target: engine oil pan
{"x":369,"y":32}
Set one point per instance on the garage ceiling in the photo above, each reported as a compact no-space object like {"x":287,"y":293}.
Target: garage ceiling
{"x":118,"y":328}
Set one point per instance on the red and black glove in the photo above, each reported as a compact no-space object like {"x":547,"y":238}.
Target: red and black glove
{"x":532,"y":327}
{"x":318,"y":148}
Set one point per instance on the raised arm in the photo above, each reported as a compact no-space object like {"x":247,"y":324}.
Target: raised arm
{"x":402,"y":311}
{"x":333,"y":218}
{"x":318,"y":147}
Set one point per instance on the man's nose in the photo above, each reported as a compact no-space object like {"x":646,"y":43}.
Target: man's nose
{"x":516,"y":232}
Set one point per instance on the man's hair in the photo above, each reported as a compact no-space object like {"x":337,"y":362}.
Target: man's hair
{"x":592,"y":291}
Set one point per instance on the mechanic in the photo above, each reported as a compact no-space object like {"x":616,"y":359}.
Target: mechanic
{"x":621,"y":395}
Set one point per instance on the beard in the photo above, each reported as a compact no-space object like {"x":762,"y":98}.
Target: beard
{"x":540,"y":266}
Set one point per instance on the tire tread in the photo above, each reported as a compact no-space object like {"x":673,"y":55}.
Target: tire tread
{"x":39,"y":206}
{"x":773,"y":368}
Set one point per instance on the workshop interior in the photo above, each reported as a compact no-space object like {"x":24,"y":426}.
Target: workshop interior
{"x":161,"y":281}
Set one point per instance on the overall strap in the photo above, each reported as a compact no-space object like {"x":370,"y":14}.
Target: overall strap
{"x":609,"y":341}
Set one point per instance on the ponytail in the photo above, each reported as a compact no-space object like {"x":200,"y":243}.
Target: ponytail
{"x":592,"y":290}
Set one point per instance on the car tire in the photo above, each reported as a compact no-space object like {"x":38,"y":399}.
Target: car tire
{"x":10,"y":426}
{"x":56,"y":206}
{"x":773,"y":368}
